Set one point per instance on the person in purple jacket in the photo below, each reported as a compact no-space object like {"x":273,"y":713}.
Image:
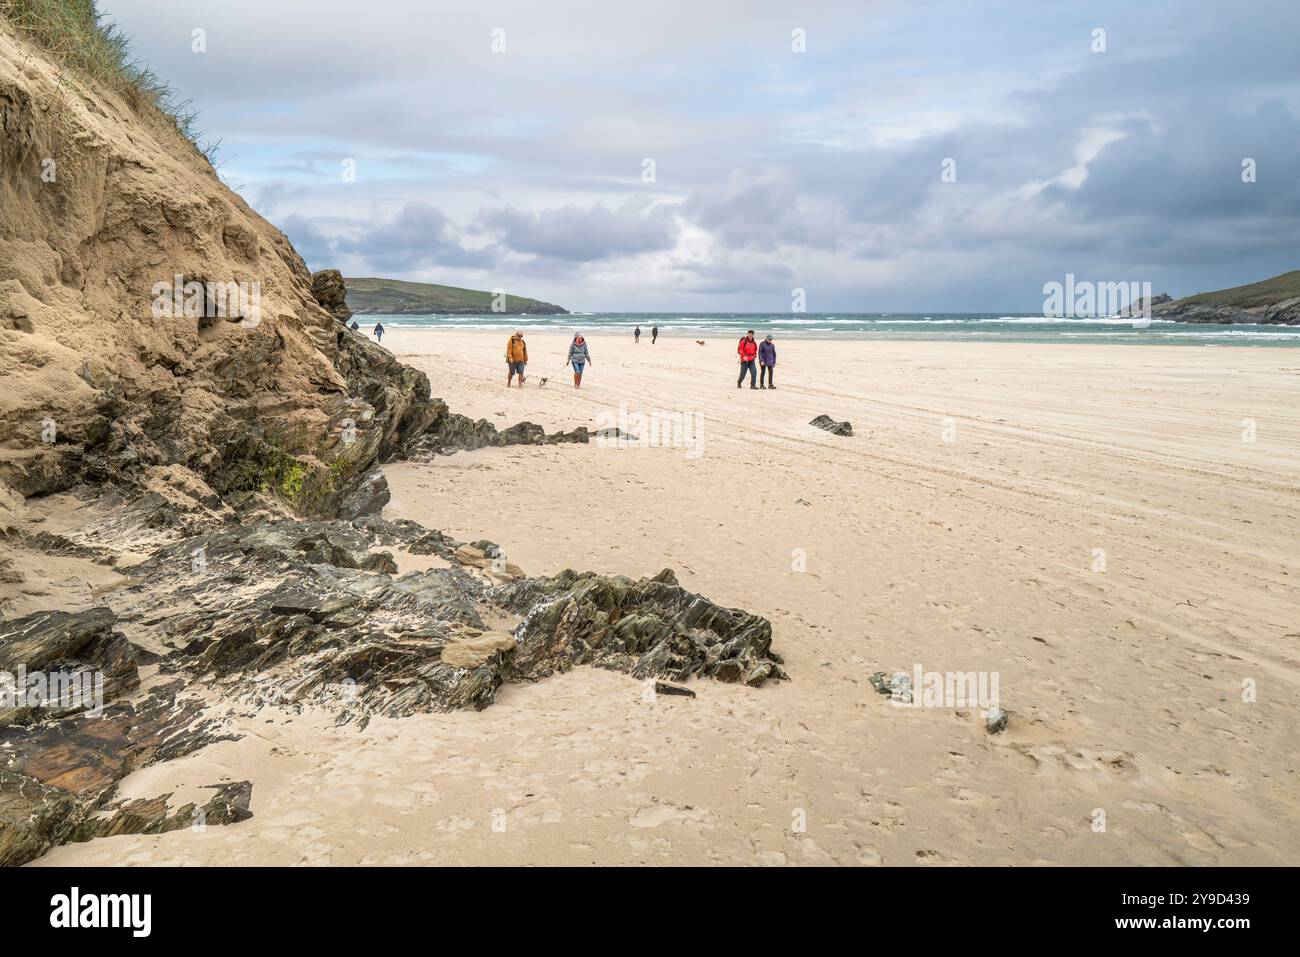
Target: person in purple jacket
{"x":767,"y":364}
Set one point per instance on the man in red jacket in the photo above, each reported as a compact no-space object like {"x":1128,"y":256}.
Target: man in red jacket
{"x":747,"y":350}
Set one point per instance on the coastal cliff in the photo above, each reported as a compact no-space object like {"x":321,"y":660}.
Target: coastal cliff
{"x":1274,"y":301}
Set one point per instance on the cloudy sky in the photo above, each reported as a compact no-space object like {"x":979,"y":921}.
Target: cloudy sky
{"x":529,"y":167}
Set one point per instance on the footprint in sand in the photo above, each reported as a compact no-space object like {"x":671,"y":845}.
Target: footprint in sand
{"x":656,"y":814}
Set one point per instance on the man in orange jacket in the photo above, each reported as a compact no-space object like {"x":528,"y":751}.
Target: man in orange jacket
{"x":516,"y":358}
{"x":747,"y":350}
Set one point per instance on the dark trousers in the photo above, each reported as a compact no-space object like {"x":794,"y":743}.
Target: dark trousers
{"x":747,"y":366}
{"x":765,"y":376}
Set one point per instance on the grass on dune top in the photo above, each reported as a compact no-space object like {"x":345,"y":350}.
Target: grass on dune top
{"x":77,"y":35}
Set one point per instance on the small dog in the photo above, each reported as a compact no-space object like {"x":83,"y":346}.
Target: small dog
{"x":699,"y":342}
{"x":543,"y":382}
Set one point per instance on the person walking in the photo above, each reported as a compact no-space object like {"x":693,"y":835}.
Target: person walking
{"x":516,"y":358}
{"x":747,"y":350}
{"x":579,"y":357}
{"x":379,"y":331}
{"x":767,"y":364}
{"x":636,"y":334}
{"x":654,"y":334}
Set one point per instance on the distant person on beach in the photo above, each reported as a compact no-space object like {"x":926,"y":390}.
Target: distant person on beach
{"x":516,"y":358}
{"x":654,"y":334}
{"x":379,"y":331}
{"x":354,"y":327}
{"x":767,"y":364}
{"x":636,"y":334}
{"x":578,"y":358}
{"x":747,"y":350}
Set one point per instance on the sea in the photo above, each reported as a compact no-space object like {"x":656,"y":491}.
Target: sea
{"x":886,"y":325}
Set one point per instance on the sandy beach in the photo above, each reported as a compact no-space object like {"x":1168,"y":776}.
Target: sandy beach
{"x":1110,"y":530}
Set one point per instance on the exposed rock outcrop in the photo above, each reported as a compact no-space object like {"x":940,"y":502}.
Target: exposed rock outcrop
{"x":453,"y":432}
{"x":1281,"y":313}
{"x":290,"y":613}
{"x":55,"y":775}
{"x":229,"y":805}
{"x":1143,"y":307}
{"x":328,"y":289}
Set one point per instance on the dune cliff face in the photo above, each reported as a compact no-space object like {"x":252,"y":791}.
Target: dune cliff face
{"x":104,"y":379}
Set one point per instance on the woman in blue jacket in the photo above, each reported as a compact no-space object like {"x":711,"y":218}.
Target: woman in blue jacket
{"x":767,"y":364}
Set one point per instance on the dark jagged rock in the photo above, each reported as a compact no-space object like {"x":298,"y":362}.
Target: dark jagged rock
{"x":667,"y":689}
{"x":57,"y":774}
{"x":303,"y":607}
{"x":229,"y":805}
{"x":1282,"y":313}
{"x":831,"y":426}
{"x":652,"y":627}
{"x":328,"y":289}
{"x":291,"y":613}
{"x":456,"y":433}
{"x":328,"y":543}
{"x":411,"y":536}
{"x":368,"y":498}
{"x":81,"y":648}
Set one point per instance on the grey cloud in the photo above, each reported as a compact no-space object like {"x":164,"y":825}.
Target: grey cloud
{"x":585,"y":233}
{"x":418,"y":236}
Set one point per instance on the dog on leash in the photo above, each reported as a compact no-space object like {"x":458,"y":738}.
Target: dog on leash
{"x":543,"y":382}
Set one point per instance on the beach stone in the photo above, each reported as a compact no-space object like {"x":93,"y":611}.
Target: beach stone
{"x":995,"y":721}
{"x":831,"y":426}
{"x":667,"y":689}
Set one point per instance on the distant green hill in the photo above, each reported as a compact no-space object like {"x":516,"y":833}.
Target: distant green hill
{"x":1255,"y":295}
{"x":397,"y":297}
{"x":1273,"y":301}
